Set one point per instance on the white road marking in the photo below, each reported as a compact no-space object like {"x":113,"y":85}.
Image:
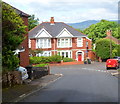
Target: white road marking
{"x":95,"y":70}
{"x":22,"y":95}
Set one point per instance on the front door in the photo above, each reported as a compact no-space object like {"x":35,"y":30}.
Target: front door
{"x":79,"y":56}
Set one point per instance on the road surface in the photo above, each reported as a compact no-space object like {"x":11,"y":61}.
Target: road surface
{"x":79,"y":83}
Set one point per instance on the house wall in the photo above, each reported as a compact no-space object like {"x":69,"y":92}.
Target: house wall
{"x":33,"y":44}
{"x":74,"y":47}
{"x":24,"y":56}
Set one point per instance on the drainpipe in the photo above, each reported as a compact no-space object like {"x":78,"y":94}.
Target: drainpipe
{"x":54,"y":45}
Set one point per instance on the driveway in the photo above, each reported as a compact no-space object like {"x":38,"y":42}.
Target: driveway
{"x":80,"y":83}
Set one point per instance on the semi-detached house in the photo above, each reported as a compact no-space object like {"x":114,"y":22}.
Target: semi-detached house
{"x":59,"y":38}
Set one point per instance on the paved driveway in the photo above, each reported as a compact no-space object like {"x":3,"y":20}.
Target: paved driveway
{"x":80,"y":83}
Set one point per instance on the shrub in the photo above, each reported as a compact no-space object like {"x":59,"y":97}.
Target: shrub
{"x":35,"y":60}
{"x":40,"y":65}
{"x":55,"y":58}
{"x":66,"y":59}
{"x":42,"y":59}
{"x":45,"y":59}
{"x":11,"y":62}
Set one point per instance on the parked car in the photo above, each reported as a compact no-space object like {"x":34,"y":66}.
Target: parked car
{"x":118,"y":58}
{"x":112,"y":63}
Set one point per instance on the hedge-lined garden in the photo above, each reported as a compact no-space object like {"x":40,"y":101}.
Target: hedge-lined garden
{"x":50,"y":59}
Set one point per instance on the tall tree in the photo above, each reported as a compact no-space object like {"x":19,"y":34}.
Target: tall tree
{"x":32,"y":22}
{"x":13,"y":29}
{"x":98,"y":30}
{"x":103,"y":48}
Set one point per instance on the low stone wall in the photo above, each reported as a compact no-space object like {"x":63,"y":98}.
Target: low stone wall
{"x":11,"y":78}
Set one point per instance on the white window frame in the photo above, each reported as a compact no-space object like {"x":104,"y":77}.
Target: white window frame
{"x":29,"y":42}
{"x":38,"y":43}
{"x":79,"y":42}
{"x":48,"y":53}
{"x":64,"y":42}
{"x":69,"y":53}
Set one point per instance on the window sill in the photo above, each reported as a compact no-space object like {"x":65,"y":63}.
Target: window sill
{"x":65,"y":47}
{"x":43,"y":47}
{"x":79,"y":46}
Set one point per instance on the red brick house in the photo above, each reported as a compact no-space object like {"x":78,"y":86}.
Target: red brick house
{"x":59,"y":38}
{"x":23,"y":49}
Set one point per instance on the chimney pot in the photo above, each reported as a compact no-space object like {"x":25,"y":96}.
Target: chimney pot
{"x":109,"y":32}
{"x":52,"y":20}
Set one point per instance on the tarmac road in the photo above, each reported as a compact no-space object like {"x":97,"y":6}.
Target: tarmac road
{"x":80,"y":83}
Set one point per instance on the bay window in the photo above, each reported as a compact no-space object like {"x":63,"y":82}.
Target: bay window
{"x":65,"y":54}
{"x":64,"y":42}
{"x":43,"y":43}
{"x":44,"y":53}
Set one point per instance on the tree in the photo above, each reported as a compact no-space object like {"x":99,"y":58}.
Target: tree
{"x":98,"y":30}
{"x":79,"y":30}
{"x":13,"y":29}
{"x":32,"y":22}
{"x":103,"y":48}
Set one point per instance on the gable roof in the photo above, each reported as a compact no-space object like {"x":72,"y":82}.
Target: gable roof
{"x":54,"y":30}
{"x":19,"y":12}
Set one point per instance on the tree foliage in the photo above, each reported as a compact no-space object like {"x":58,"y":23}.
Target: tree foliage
{"x":103,"y":48}
{"x":13,"y":29}
{"x":98,"y":30}
{"x":32,"y":22}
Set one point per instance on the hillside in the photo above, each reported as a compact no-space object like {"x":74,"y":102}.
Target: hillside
{"x":85,"y":24}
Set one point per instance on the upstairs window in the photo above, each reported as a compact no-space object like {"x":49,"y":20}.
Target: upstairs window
{"x":43,"y":43}
{"x":79,"y":42}
{"x":64,"y":42}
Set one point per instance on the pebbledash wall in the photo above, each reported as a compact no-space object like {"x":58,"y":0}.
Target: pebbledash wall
{"x":54,"y":49}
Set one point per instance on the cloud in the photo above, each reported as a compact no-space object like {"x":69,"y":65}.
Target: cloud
{"x":68,"y":10}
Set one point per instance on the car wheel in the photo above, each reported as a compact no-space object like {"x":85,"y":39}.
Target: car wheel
{"x":116,"y":67}
{"x":107,"y":68}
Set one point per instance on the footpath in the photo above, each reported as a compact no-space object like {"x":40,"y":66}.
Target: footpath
{"x":18,"y":92}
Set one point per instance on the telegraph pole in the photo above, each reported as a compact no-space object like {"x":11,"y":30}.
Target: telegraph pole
{"x":110,"y":44}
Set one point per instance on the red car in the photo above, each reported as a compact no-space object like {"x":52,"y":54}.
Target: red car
{"x":112,"y":63}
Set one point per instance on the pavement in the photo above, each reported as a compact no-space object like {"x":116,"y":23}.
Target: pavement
{"x":16,"y":93}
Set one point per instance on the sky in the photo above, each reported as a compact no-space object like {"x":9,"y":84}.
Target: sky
{"x":68,"y":11}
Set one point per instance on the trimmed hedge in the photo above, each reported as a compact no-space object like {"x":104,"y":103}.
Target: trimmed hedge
{"x":55,"y":58}
{"x":42,"y":59}
{"x":40,"y":65}
{"x":66,"y":59}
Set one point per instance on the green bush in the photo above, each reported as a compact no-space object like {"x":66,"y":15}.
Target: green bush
{"x":42,"y":59}
{"x":55,"y":58}
{"x":66,"y":59}
{"x":40,"y":65}
{"x":10,"y":61}
{"x":45,"y":59}
{"x":35,"y":60}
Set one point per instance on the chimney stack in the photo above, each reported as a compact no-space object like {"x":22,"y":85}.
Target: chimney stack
{"x":109,"y":32}
{"x":52,"y":20}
